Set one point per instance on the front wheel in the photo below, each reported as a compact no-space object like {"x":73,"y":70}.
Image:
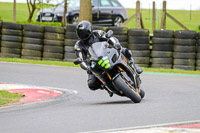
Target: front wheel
{"x":122,"y":84}
{"x":74,"y":19}
{"x":142,"y":93}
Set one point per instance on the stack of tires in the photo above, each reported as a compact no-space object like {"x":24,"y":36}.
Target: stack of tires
{"x":53,"y":43}
{"x":121,"y":34}
{"x":198,"y":53}
{"x":11,"y":40}
{"x":184,"y":50}
{"x":138,"y":43}
{"x":32,"y":46}
{"x":70,"y":40}
{"x":0,"y":33}
{"x":162,"y":49}
{"x":100,"y":28}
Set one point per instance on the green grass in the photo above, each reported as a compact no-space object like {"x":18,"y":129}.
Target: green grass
{"x":6,"y":14}
{"x":70,"y":64}
{"x":7,"y":97}
{"x":181,"y":15}
{"x":56,"y":63}
{"x":6,"y":11}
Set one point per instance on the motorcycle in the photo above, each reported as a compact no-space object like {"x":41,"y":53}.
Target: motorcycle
{"x":115,"y":72}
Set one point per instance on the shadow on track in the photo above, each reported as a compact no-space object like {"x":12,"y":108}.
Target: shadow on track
{"x":113,"y":102}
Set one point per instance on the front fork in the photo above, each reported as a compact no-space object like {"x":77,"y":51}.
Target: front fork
{"x":136,"y":78}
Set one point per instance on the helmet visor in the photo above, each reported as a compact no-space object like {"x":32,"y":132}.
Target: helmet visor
{"x":84,"y":34}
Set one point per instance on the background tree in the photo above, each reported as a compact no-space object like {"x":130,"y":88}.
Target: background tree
{"x":85,"y":10}
{"x":64,"y":13}
{"x":14,"y":11}
{"x":37,"y":5}
{"x":31,"y":8}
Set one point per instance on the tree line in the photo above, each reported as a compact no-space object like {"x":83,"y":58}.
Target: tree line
{"x":33,"y":5}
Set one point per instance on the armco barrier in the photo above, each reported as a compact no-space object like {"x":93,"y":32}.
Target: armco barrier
{"x":170,"y":49}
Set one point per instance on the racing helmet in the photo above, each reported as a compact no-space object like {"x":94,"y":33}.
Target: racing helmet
{"x":84,"y":30}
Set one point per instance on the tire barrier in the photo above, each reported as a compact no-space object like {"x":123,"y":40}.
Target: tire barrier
{"x":138,"y":43}
{"x":11,"y":40}
{"x":121,"y":34}
{"x":198,"y":53}
{"x":53,"y":43}
{"x":184,"y":50}
{"x":162,"y":49}
{"x":170,"y":49}
{"x":0,"y":33}
{"x":32,"y":46}
{"x":70,"y":40}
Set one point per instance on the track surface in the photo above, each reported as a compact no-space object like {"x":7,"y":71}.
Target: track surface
{"x":168,"y":99}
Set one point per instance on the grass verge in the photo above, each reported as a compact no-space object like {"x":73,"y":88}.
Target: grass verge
{"x":70,"y":64}
{"x":7,"y":97}
{"x":6,"y":14}
{"x":55,"y":63}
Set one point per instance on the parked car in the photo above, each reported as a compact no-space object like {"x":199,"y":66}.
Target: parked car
{"x":105,"y":12}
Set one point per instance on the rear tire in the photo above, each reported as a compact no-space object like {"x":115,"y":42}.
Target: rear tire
{"x":118,"y":21}
{"x":121,"y":84}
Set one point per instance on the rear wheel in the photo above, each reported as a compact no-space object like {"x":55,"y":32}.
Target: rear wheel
{"x":118,"y":21}
{"x":122,"y":84}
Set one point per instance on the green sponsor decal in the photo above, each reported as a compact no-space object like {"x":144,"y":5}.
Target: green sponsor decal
{"x":104,"y":63}
{"x":100,"y":62}
{"x":107,"y":66}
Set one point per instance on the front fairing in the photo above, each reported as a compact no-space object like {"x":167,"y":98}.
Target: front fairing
{"x":104,"y":58}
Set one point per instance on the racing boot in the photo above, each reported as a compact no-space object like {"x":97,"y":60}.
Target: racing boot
{"x":137,"y":68}
{"x":128,"y":54}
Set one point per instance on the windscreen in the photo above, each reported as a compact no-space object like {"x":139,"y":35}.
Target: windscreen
{"x":98,"y":50}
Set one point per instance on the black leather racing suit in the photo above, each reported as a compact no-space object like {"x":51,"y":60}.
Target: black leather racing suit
{"x":81,"y":48}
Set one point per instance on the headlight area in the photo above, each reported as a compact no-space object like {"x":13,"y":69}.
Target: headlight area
{"x":45,"y":17}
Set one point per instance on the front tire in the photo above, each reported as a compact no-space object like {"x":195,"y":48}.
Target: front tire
{"x":74,"y":19}
{"x":128,"y":90}
{"x":142,"y":93}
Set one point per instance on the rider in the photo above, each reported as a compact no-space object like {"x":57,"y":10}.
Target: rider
{"x":87,"y":37}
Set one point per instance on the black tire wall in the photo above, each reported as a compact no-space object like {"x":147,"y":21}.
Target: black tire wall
{"x":138,"y":43}
{"x":184,"y":50}
{"x":32,"y":46}
{"x":170,"y":49}
{"x":53,"y":43}
{"x":198,"y":52}
{"x":11,"y":40}
{"x":162,"y":49}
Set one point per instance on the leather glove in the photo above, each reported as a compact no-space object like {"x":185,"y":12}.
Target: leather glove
{"x":89,"y":70}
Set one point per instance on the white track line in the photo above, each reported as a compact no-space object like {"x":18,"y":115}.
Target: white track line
{"x":23,"y":86}
{"x":152,"y":128}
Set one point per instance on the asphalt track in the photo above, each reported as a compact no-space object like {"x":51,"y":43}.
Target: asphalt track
{"x":169,"y":98}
